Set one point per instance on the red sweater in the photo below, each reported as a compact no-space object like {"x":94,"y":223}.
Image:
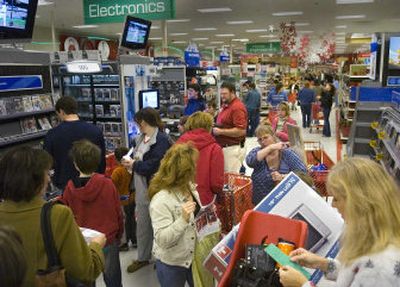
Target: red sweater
{"x":283,"y":133}
{"x":210,"y":165}
{"x":96,"y":206}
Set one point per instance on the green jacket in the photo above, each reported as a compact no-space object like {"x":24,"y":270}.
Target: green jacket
{"x":80,"y":261}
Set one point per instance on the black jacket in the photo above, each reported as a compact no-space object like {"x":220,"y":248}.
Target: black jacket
{"x":327,"y":99}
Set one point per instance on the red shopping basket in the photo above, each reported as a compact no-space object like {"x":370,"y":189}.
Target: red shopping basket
{"x":235,"y":200}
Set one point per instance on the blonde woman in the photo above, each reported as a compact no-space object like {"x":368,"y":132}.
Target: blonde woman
{"x":369,"y":202}
{"x":172,"y":209}
{"x":280,"y":122}
{"x":271,"y":161}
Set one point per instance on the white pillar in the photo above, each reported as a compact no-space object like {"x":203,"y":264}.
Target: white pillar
{"x":164,"y":28}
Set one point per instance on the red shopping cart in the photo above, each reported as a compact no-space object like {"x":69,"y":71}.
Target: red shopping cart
{"x":317,"y":117}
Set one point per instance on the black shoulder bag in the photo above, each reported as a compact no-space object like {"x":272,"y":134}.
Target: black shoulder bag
{"x":54,"y":275}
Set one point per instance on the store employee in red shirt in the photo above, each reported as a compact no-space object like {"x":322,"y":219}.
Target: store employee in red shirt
{"x":231,"y":126}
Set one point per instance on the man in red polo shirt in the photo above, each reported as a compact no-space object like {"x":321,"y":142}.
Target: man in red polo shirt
{"x":231,"y":126}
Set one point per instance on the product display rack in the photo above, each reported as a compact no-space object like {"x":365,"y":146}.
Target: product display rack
{"x":387,"y":145}
{"x":98,"y":97}
{"x":26,"y":101}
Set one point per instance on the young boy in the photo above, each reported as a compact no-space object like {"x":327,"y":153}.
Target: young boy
{"x":96,"y":205}
{"x":122,"y":181}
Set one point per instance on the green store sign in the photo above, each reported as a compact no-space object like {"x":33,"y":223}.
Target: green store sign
{"x":263,"y":48}
{"x":114,"y":11}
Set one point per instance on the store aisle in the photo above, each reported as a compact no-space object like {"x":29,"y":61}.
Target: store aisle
{"x":147,"y":276}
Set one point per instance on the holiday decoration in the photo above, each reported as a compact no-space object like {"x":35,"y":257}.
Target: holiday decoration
{"x":288,"y":38}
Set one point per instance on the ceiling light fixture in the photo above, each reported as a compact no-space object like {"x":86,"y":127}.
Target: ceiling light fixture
{"x":155,"y":27}
{"x":360,"y":35}
{"x":287,"y":13}
{"x":225,"y":35}
{"x":155,"y":38}
{"x":267,"y":36}
{"x":85,"y":26}
{"x":216,"y":42}
{"x":178,"y":34}
{"x":214,"y":10}
{"x":339,"y":2}
{"x":178,"y":20}
{"x":239,"y":22}
{"x":301,"y":24}
{"x":340,"y":33}
{"x":257,"y":30}
{"x":240,"y":40}
{"x":205,"y":29}
{"x":341,"y":27}
{"x":305,"y":32}
{"x":345,"y":17}
{"x":45,"y":3}
{"x":199,"y":39}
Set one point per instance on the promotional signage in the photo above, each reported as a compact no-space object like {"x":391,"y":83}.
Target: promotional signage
{"x":19,"y":83}
{"x":114,"y":11}
{"x":264,"y":48}
{"x":192,"y":59}
{"x":224,"y":58}
{"x":84,"y":67}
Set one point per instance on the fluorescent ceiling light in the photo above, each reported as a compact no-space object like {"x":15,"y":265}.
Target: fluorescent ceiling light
{"x":353,"y":1}
{"x":267,"y":36}
{"x":178,"y":34}
{"x":155,"y":27}
{"x":45,"y":3}
{"x":216,"y":42}
{"x":287,"y":13}
{"x":225,"y":35}
{"x":200,"y":45}
{"x":305,"y":32}
{"x":178,"y":20}
{"x":205,"y":29}
{"x":341,"y":27}
{"x":211,"y":47}
{"x":301,"y":24}
{"x":155,"y":38}
{"x":85,"y":26}
{"x":344,"y":17}
{"x":179,"y":42}
{"x":214,"y":10}
{"x":239,"y":22}
{"x":257,"y":30}
{"x":199,"y":39}
{"x":340,"y":33}
{"x":240,"y":40}
{"x":360,"y":35}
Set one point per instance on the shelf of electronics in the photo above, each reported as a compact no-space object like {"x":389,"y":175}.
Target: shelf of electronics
{"x":388,"y":145}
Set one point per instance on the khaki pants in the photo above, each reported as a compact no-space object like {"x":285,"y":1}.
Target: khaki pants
{"x":233,"y":158}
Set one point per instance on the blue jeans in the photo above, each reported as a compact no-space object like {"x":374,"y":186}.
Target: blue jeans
{"x":112,"y":268}
{"x":306,"y":113}
{"x":326,"y":131}
{"x":173,"y":276}
{"x":254,"y":120}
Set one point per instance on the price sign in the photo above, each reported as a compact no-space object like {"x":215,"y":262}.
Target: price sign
{"x":84,"y":67}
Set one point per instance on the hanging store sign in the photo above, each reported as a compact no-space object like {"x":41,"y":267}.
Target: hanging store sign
{"x":264,"y":48}
{"x":114,"y":11}
{"x":84,"y":67}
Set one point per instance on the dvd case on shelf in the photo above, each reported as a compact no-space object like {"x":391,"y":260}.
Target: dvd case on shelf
{"x":99,"y":110}
{"x":3,"y":110}
{"x":115,"y":128}
{"x":45,"y":102}
{"x":28,"y":125}
{"x":115,"y":94}
{"x":27,"y":103}
{"x":44,"y":123}
{"x":107,"y":128}
{"x":98,"y":94}
{"x":18,"y":106}
{"x":115,"y":110}
{"x":54,"y":121}
{"x":85,"y":93}
{"x":36,"y":103}
{"x":107,"y":94}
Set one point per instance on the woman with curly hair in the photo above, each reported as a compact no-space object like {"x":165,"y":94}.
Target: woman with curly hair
{"x":172,"y":209}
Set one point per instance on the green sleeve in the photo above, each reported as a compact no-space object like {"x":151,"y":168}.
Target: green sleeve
{"x":81,"y":262}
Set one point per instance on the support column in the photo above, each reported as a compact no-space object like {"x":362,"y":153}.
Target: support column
{"x":53,"y":33}
{"x":164,"y":28}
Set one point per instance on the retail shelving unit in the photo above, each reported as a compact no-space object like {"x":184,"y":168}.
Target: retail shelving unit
{"x":388,"y":142}
{"x":26,"y":102}
{"x":98,"y":96}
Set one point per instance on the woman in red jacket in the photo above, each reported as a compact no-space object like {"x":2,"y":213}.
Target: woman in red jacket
{"x":279,"y":123}
{"x":209,"y":180}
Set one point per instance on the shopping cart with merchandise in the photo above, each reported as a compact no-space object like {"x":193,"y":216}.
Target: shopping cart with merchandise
{"x":319,"y":165}
{"x":235,"y":199}
{"x":317,"y":117}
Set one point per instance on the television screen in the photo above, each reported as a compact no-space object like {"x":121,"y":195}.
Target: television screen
{"x":149,"y":98}
{"x":394,"y":53}
{"x":136,"y":33}
{"x":17,"y":18}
